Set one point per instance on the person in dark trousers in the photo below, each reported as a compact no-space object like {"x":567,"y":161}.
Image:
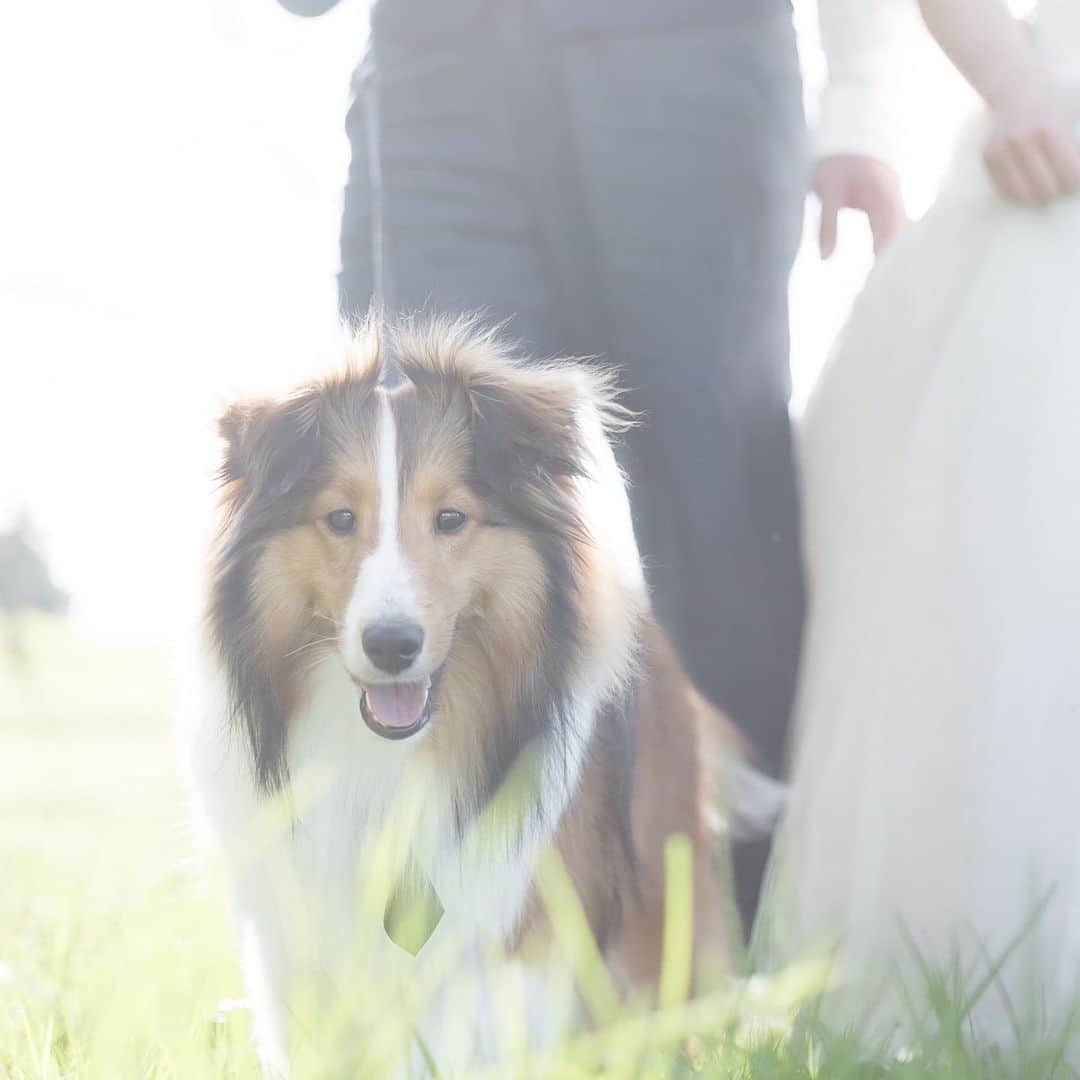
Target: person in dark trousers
{"x":625,"y":179}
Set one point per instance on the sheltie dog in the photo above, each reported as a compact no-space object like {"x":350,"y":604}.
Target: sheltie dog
{"x":435,"y":586}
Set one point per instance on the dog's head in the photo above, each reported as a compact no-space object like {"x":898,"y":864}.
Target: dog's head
{"x":430,"y":535}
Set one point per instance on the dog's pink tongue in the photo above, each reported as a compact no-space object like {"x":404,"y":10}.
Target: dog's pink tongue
{"x":397,"y":705}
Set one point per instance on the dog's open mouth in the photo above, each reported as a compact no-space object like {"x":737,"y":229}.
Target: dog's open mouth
{"x":396,"y":710}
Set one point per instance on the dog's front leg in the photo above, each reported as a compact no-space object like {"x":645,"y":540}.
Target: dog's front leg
{"x":268,"y":971}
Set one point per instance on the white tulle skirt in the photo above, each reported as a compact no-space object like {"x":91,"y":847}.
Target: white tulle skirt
{"x":936,"y":773}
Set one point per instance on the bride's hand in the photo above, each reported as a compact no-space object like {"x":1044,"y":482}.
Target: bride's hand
{"x":1033,"y":152}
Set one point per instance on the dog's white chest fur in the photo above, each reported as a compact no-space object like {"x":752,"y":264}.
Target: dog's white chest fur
{"x":309,"y":880}
{"x":362,"y":790}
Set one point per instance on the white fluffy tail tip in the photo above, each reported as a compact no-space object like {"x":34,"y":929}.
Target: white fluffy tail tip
{"x":755,"y":802}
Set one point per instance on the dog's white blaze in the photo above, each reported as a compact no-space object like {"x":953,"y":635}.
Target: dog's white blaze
{"x":387,"y":465}
{"x":384,"y":588}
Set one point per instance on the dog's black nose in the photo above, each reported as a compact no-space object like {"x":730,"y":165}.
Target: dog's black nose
{"x":393,"y":646}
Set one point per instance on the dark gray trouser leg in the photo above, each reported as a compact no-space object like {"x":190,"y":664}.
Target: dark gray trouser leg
{"x":460,"y":233}
{"x":689,"y":156}
{"x":692,"y":157}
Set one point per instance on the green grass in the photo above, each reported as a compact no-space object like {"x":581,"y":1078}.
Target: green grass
{"x":113,"y":950}
{"x":116,"y":958}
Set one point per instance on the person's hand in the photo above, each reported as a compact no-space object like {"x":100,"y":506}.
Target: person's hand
{"x":1033,"y":151}
{"x":850,"y":181}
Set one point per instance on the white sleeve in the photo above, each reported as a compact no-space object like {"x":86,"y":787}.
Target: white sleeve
{"x":868,"y":48}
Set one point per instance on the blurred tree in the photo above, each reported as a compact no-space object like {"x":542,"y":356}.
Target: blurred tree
{"x":25,"y":581}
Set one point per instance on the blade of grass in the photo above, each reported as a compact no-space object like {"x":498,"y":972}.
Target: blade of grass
{"x":676,"y":970}
{"x":574,"y":936}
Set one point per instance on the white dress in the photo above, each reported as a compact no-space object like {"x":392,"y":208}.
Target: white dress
{"x":936,"y":775}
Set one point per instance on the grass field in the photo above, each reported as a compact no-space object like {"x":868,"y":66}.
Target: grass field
{"x":115,"y":953}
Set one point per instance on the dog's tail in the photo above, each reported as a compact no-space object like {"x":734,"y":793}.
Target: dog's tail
{"x":755,"y":802}
{"x":749,"y":802}
{"x":741,"y":800}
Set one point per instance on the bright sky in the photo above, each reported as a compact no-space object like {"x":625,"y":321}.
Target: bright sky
{"x":168,"y":236}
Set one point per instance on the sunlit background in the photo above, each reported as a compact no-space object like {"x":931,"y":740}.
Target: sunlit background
{"x":169,"y":197}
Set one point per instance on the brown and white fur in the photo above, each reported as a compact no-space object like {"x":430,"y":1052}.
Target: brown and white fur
{"x":537,"y":641}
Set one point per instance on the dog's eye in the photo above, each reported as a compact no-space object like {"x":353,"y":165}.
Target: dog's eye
{"x":449,"y":521}
{"x":341,"y":522}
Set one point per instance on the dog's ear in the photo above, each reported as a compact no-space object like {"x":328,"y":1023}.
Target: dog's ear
{"x":527,"y":442}
{"x":524,"y":426}
{"x":270,"y":447}
{"x":233,"y":426}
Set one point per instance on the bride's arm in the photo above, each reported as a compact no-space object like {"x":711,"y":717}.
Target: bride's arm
{"x":1033,"y":153}
{"x":990,"y":48}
